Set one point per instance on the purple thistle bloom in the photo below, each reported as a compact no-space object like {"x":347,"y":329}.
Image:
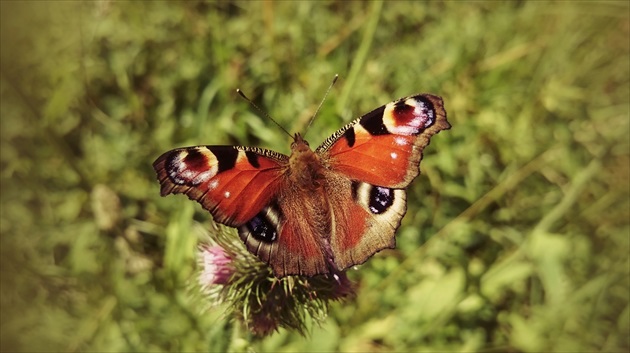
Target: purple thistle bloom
{"x":216,"y":266}
{"x":229,"y":274}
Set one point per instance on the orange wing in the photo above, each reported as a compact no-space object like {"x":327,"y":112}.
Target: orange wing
{"x":233,"y":183}
{"x":246,"y":188}
{"x":375,"y":158}
{"x":284,"y":235}
{"x":384,"y":147}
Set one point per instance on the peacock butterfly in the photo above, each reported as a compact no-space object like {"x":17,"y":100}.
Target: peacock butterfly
{"x":313,"y":212}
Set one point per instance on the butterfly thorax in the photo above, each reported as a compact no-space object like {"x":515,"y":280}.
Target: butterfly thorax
{"x":305,"y":167}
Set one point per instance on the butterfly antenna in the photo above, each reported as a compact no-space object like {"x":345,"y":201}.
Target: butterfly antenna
{"x":238,"y":90}
{"x":321,"y":103}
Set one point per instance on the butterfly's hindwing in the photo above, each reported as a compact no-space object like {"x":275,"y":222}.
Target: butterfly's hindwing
{"x":287,"y":235}
{"x":365,"y":221}
{"x":264,"y":227}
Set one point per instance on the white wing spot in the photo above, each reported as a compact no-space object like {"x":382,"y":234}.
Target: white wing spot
{"x":227,"y":194}
{"x":394,"y":155}
{"x":213,"y":184}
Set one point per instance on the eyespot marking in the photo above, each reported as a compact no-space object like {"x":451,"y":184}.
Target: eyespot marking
{"x":190,"y":166}
{"x":410,"y":116}
{"x":381,"y":199}
{"x":264,"y":227}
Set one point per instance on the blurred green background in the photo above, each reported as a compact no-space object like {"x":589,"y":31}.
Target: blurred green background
{"x":517,"y":233}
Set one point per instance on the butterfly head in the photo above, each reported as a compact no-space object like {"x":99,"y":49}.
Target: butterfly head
{"x":299,"y":144}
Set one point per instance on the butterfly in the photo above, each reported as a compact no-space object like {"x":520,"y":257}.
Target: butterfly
{"x":313,"y":212}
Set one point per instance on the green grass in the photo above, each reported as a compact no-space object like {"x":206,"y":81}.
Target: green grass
{"x":517,"y":233}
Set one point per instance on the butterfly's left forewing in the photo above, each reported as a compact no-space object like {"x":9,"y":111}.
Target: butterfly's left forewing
{"x":247,"y":188}
{"x":374,"y":159}
{"x":234,"y":183}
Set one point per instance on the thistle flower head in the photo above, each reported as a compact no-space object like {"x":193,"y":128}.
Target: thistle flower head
{"x":216,"y":266}
{"x":230,"y":275}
